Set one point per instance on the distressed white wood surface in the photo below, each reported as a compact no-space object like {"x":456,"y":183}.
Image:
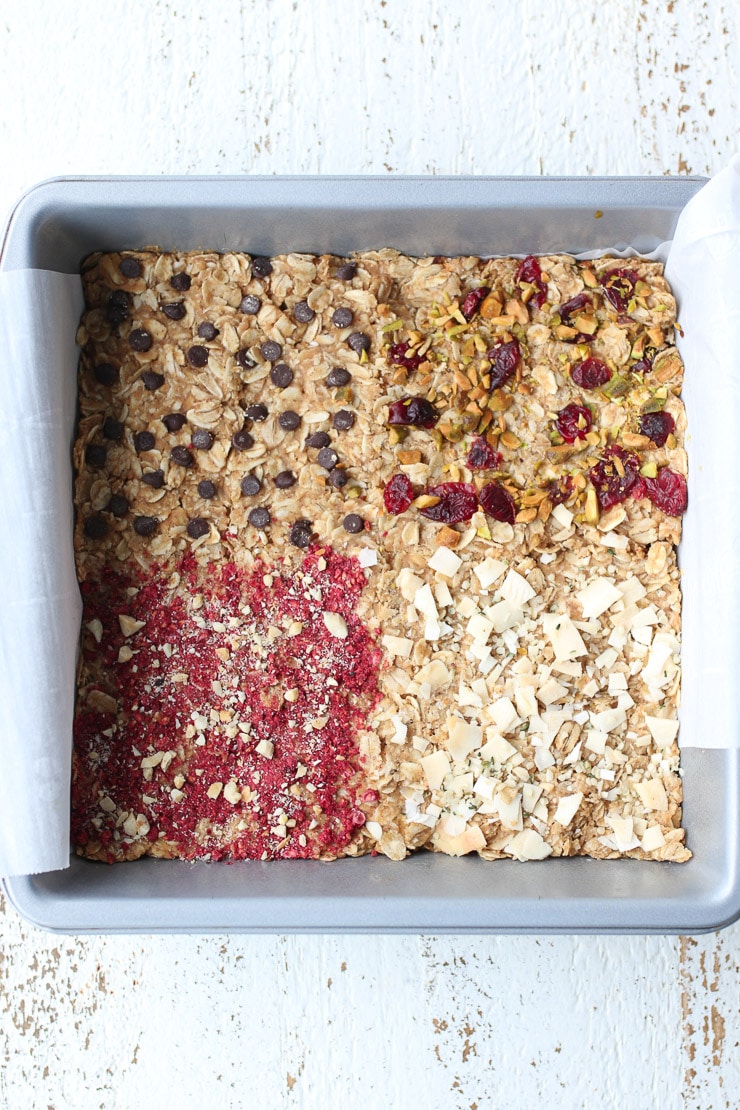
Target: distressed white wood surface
{"x":362,"y":86}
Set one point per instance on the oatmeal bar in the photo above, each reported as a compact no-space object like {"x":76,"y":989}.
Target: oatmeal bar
{"x":378,"y":554}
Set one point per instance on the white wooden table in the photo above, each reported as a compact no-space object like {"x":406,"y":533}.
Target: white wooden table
{"x":367,"y":86}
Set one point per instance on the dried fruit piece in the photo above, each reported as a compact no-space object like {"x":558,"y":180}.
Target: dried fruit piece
{"x":397,"y":356}
{"x":457,"y":502}
{"x":614,"y":476}
{"x":414,"y":412}
{"x":591,"y":373}
{"x":573,"y":422}
{"x":530,"y":273}
{"x":657,"y":426}
{"x":473,"y":301}
{"x":482,"y":456}
{"x":668,"y":491}
{"x":503,"y":357}
{"x":619,"y":288}
{"x":560,"y":489}
{"x":398,"y":494}
{"x":569,"y":311}
{"x":498,"y":503}
{"x":645,"y":364}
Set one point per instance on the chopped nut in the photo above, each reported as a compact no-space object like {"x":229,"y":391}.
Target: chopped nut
{"x":336,"y":625}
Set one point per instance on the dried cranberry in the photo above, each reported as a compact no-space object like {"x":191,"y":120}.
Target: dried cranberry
{"x":529,"y":273}
{"x":414,"y":412}
{"x":591,"y":373}
{"x":668,"y":492}
{"x":560,"y":489}
{"x":473,"y":301}
{"x":457,"y":502}
{"x":570,"y":309}
{"x":614,"y":477}
{"x":619,"y":288}
{"x":657,"y":426}
{"x":573,"y":422}
{"x":503,"y":358}
{"x":645,"y":364}
{"x":498,"y":503}
{"x":397,"y":357}
{"x":482,"y":456}
{"x":398,"y":494}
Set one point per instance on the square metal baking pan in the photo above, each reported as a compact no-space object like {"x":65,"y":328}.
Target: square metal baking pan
{"x":53,"y":227}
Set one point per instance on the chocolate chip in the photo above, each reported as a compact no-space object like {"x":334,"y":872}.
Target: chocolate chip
{"x":174,"y":311}
{"x":207,"y":331}
{"x":118,"y":505}
{"x":285,"y":479}
{"x":353,"y":523}
{"x":261,"y":267}
{"x":256,"y":412}
{"x":203,"y":440}
{"x":271,"y":351}
{"x":259,"y":518}
{"x":182,"y":456}
{"x":181,"y":282}
{"x":250,"y":305}
{"x":95,"y":455}
{"x":144,"y":441}
{"x":105,"y":373}
{"x":242,"y":440}
{"x":244,"y":359}
{"x":96,"y":528}
{"x":173,"y":421}
{"x":130,"y":268}
{"x":153,"y":478}
{"x":145,"y":525}
{"x":300,"y":533}
{"x":347,"y":271}
{"x":152,"y":380}
{"x":328,"y":458}
{"x":343,"y":420}
{"x":197,"y":356}
{"x":198,"y":527}
{"x":251,"y":485}
{"x":342,"y":318}
{"x":302,"y":313}
{"x":318,"y":439}
{"x":206,"y":489}
{"x":338,"y":477}
{"x":118,"y":307}
{"x":281,"y":375}
{"x":338,"y":377}
{"x":289,"y":420}
{"x":359,"y":342}
{"x":112,"y":429}
{"x":140,"y":339}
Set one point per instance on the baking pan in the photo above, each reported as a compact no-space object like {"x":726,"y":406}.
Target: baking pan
{"x":53,"y":227}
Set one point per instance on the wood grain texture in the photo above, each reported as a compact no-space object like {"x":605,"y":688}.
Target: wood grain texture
{"x":405,"y":86}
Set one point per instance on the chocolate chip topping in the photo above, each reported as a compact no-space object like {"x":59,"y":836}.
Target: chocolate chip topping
{"x":256,"y":412}
{"x":342,"y":318}
{"x":95,"y":455}
{"x":118,"y":505}
{"x":198,"y":527}
{"x":207,"y":331}
{"x":302,"y":313}
{"x":250,"y":305}
{"x":173,"y":421}
{"x":145,"y":525}
{"x":244,"y":359}
{"x":152,"y":380}
{"x":203,"y":440}
{"x":96,"y":528}
{"x":259,"y":518}
{"x":112,"y":429}
{"x":338,"y":377}
{"x":139,"y":339}
{"x":301,"y":532}
{"x":318,"y":439}
{"x":153,"y":478}
{"x":242,"y":440}
{"x":197,"y":356}
{"x":328,"y":458}
{"x":174,"y":311}
{"x":359,"y":342}
{"x":289,"y":420}
{"x":181,"y":282}
{"x":130,"y":268}
{"x":353,"y":523}
{"x":118,"y":307}
{"x":105,"y":373}
{"x":144,"y":441}
{"x":251,"y":485}
{"x":346,"y":271}
{"x":343,"y":420}
{"x":206,"y":489}
{"x":261,"y":267}
{"x":271,"y":351}
{"x":281,"y":375}
{"x":285,"y":479}
{"x":182,"y":456}
{"x":338,"y":477}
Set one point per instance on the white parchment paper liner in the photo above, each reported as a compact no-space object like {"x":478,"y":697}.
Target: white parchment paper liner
{"x":40,"y":606}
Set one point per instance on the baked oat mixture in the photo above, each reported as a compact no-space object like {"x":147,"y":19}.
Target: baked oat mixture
{"x":378,"y":554}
